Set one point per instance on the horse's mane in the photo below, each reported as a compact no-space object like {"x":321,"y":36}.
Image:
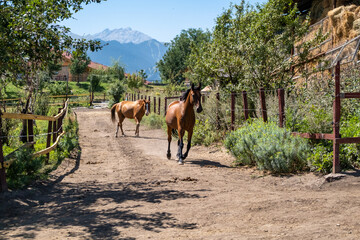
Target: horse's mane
{"x":185,"y":95}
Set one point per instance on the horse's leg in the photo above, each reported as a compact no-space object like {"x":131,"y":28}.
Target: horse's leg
{"x":168,"y":155}
{"x":188,"y":144}
{"x":137,"y":127}
{"x":177,"y":155}
{"x":121,"y":119}
{"x":181,"y":146}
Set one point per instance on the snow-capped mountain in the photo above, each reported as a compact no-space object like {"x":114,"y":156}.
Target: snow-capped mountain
{"x":133,"y":49}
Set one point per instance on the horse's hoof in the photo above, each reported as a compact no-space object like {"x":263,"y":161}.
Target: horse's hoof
{"x":168,"y":156}
{"x":181,"y":162}
{"x":116,"y":136}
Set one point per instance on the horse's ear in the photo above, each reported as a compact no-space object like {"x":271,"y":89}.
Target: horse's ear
{"x":192,"y":86}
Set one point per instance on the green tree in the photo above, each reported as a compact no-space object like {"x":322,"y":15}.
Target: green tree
{"x":79,"y":64}
{"x":175,"y":61}
{"x":135,"y":81}
{"x":31,"y":38}
{"x":251,"y":46}
{"x":142,"y":74}
{"x":94,"y":84}
{"x":117,"y":70}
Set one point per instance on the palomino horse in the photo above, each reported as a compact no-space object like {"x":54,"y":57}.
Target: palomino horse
{"x":181,"y":116}
{"x":128,"y":109}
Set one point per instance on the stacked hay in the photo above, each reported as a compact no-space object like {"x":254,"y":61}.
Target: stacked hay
{"x":345,"y":23}
{"x":320,"y":8}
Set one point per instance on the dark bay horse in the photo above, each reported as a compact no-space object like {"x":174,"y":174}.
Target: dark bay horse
{"x":181,"y":116}
{"x":129,"y":109}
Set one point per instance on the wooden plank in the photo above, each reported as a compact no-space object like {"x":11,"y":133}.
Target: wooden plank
{"x":26,"y":116}
{"x":49,"y":149}
{"x":328,"y":136}
{"x":347,"y":140}
{"x":350,"y":95}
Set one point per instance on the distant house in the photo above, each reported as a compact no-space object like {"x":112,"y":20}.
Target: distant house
{"x":64,"y":74}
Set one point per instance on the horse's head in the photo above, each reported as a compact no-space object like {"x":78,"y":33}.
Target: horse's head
{"x":195,"y":94}
{"x":147,"y":107}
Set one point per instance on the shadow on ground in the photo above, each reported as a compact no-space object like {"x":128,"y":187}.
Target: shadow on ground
{"x":60,"y":205}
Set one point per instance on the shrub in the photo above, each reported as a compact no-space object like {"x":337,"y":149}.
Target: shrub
{"x":116,"y":90}
{"x":24,"y":168}
{"x":154,"y":121}
{"x":58,"y":88}
{"x":204,"y":133}
{"x":268,"y":146}
{"x":42,"y":105}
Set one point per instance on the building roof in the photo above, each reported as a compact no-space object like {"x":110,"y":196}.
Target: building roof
{"x":92,"y":65}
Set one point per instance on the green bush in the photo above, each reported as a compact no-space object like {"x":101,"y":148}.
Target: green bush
{"x":24,"y":168}
{"x":58,"y":88}
{"x":115,"y":91}
{"x":42,"y":105}
{"x":204,"y":133}
{"x":268,"y":146}
{"x":321,"y":156}
{"x":154,"y":121}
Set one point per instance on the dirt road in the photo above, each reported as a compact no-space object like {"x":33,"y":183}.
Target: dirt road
{"x":125,"y":188}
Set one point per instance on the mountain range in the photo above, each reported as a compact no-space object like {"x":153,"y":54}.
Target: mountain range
{"x":133,"y":49}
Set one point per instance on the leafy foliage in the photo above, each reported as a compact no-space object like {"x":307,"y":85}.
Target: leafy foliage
{"x":268,"y":146}
{"x":204,"y":133}
{"x":134,"y":81}
{"x":175,"y":61}
{"x":116,"y":91}
{"x":250,"y":47}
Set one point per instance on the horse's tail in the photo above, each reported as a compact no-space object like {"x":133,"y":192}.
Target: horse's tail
{"x":113,"y":110}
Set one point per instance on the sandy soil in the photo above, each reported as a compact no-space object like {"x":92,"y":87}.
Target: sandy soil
{"x":125,"y":188}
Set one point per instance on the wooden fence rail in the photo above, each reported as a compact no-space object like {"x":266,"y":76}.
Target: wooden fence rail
{"x":335,"y":136}
{"x":54,"y":127}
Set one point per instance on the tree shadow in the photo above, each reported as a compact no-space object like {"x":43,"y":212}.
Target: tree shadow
{"x":59,"y":204}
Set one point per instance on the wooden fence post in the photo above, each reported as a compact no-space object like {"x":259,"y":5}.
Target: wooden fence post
{"x":3,"y":184}
{"x":48,"y":141}
{"x":263,"y":104}
{"x":54,"y":130}
{"x":159,"y":105}
{"x":30,"y":123}
{"x":154,"y":104}
{"x":336,"y":120}
{"x":138,"y":96}
{"x":281,"y":107}
{"x":149,"y":104}
{"x":165,"y":106}
{"x":217,"y":110}
{"x":245,"y":103}
{"x":232,"y":111}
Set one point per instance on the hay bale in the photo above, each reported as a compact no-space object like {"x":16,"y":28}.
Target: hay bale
{"x":342,"y":21}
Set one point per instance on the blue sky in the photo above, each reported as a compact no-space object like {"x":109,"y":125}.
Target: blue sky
{"x":160,"y":19}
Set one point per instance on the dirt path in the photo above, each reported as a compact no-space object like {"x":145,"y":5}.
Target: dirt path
{"x":125,"y":188}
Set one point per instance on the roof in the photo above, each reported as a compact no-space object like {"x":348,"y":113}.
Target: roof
{"x":92,"y":65}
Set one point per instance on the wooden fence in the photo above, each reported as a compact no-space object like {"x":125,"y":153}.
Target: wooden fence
{"x":334,"y":136}
{"x":58,"y":99}
{"x":54,"y":133}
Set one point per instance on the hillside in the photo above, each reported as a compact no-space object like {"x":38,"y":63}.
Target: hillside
{"x":133,"y":56}
{"x":132,"y":49}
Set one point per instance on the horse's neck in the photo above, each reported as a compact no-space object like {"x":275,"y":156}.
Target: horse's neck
{"x":187,"y":104}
